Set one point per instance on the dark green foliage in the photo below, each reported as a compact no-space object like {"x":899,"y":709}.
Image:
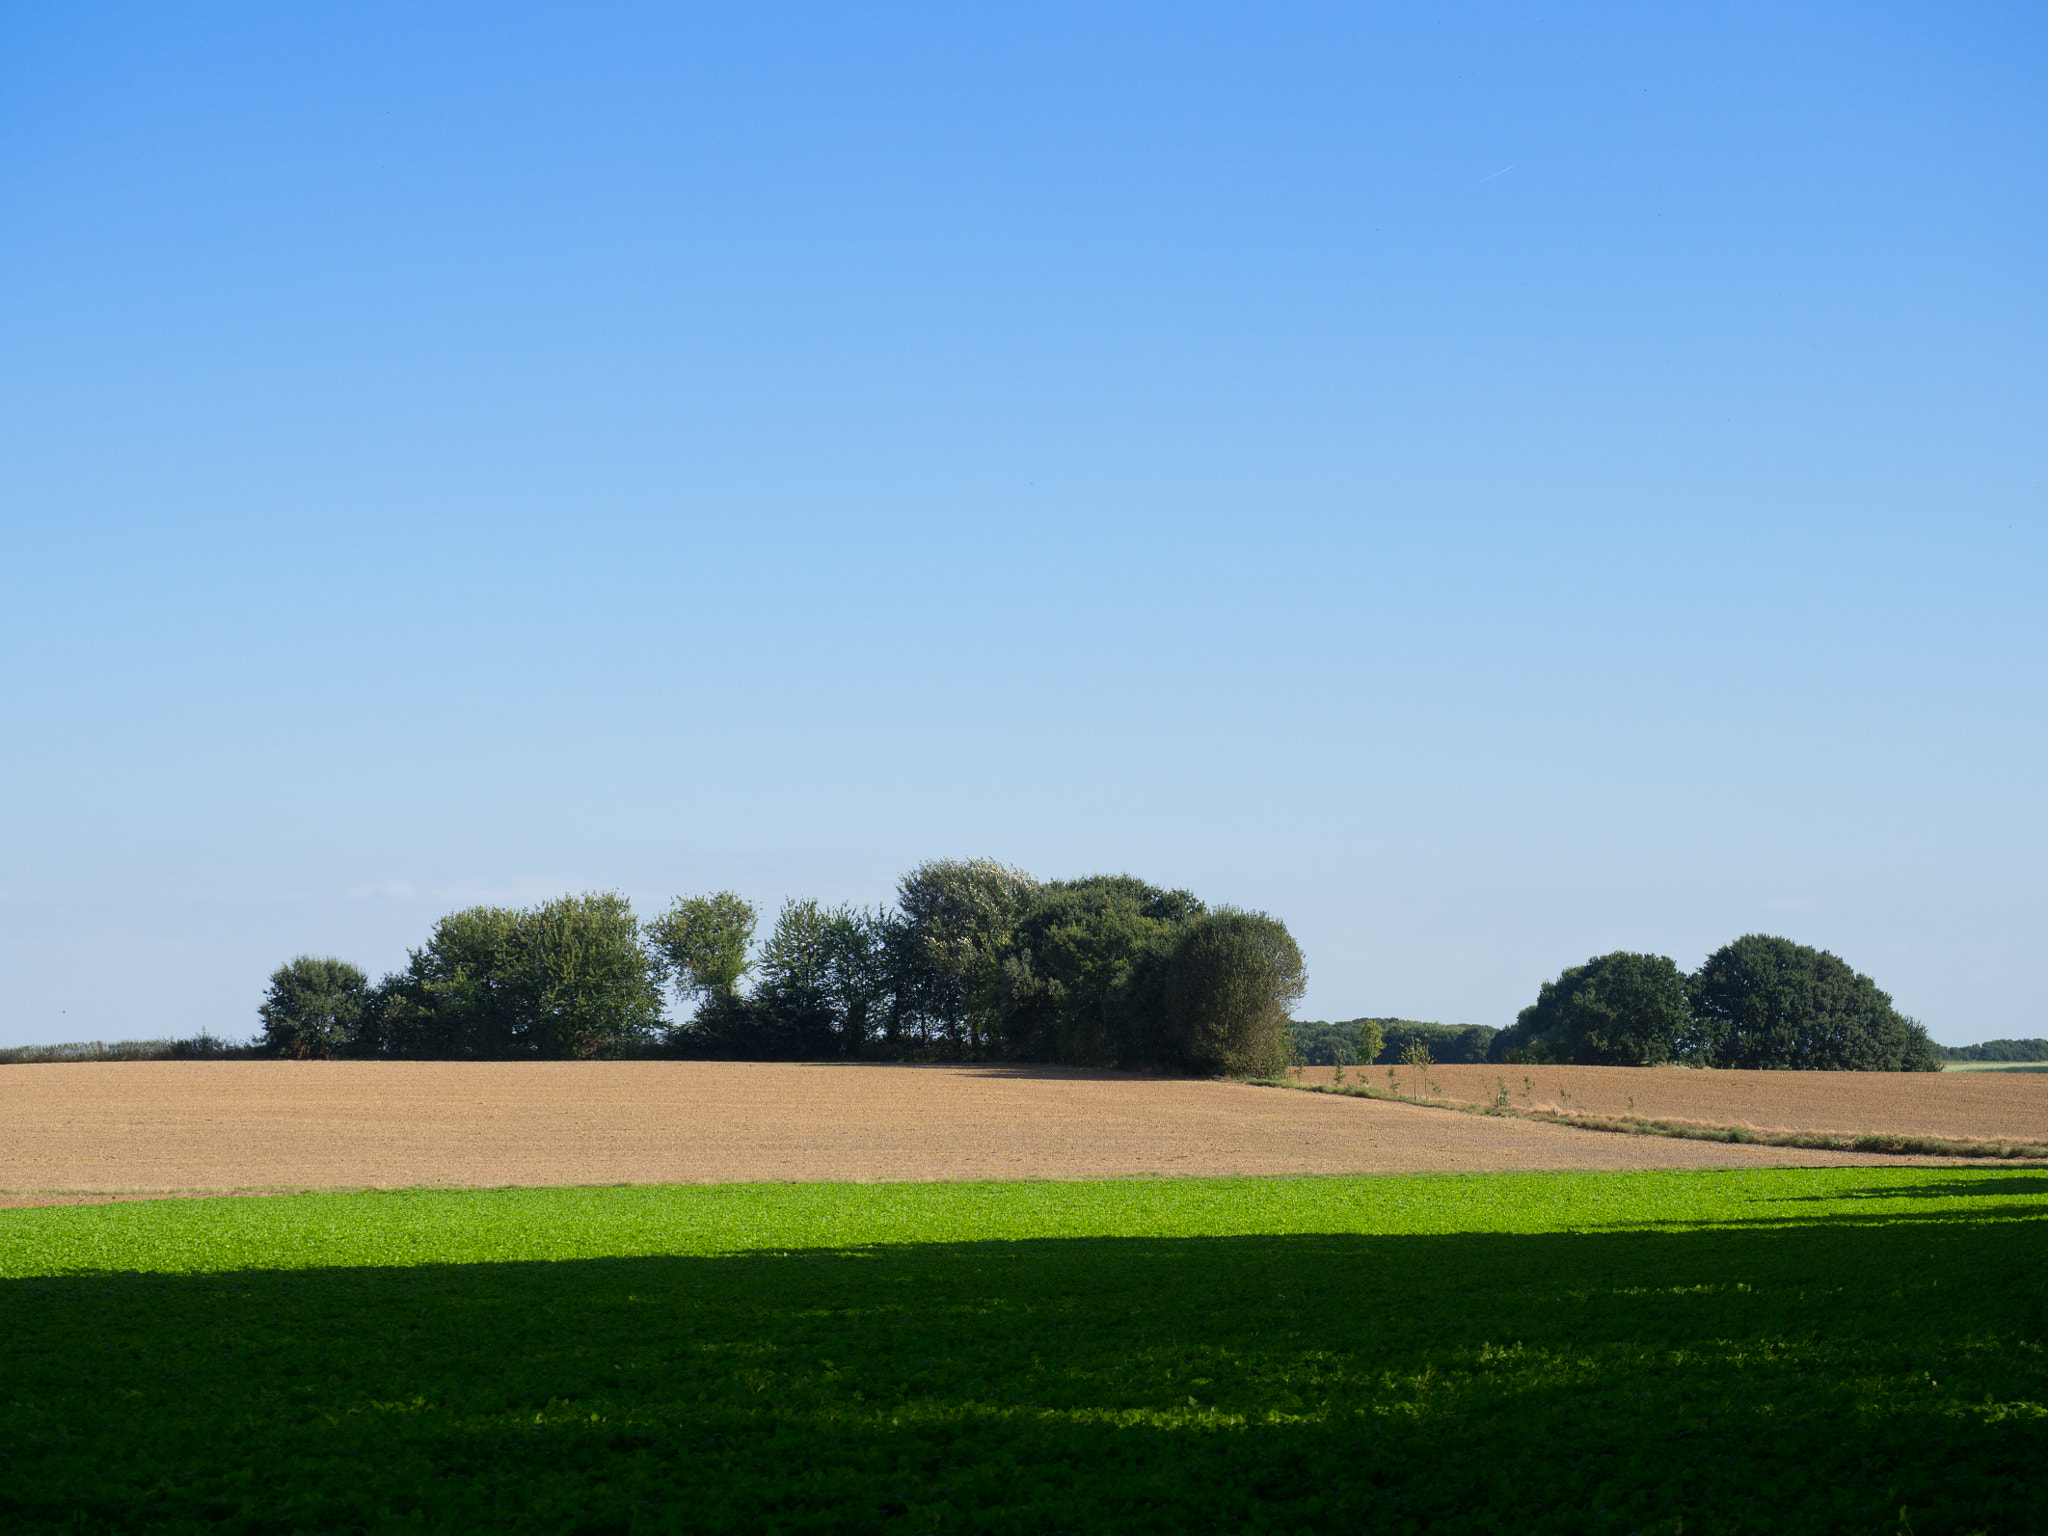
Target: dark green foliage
{"x":1616,"y":1010}
{"x":1446,"y":1043}
{"x":1768,"y":1002}
{"x":1227,"y":989}
{"x":796,"y":997}
{"x":703,"y":941}
{"x":1996,"y":1050}
{"x":315,"y":1008}
{"x":1816,"y":1371}
{"x":568,"y":978}
{"x":1345,"y":1043}
{"x":457,"y":995}
{"x":1319,"y":1044}
{"x":1081,"y":979}
{"x":977,"y":960}
{"x":823,"y":981}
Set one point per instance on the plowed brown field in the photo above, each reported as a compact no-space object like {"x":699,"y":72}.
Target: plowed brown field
{"x":95,"y":1129}
{"x":1953,"y":1105}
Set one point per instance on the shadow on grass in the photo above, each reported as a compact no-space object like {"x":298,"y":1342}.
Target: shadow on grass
{"x":1802,"y":1378}
{"x":1949,"y":1189}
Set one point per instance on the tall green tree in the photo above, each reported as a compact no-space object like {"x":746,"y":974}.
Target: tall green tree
{"x":796,"y":1003}
{"x":1228,"y":987}
{"x":1073,"y":982}
{"x":1617,"y":1010}
{"x":567,"y":979}
{"x":954,"y":925}
{"x":1767,"y":1002}
{"x":458,"y":995}
{"x":703,"y":943}
{"x":589,"y":983}
{"x":315,"y":1007}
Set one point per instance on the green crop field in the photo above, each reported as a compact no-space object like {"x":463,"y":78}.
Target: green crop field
{"x":1782,"y":1350}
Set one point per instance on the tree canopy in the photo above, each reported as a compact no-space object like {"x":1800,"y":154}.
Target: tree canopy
{"x":976,"y":960}
{"x":1618,"y":1010}
{"x":1228,"y":987}
{"x":1764,"y":1001}
{"x":315,"y":1007}
{"x":569,"y":978}
{"x":703,"y":940}
{"x":1080,"y":979}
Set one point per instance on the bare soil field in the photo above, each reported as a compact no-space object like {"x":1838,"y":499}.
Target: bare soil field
{"x":1955,"y":1105}
{"x":95,"y":1130}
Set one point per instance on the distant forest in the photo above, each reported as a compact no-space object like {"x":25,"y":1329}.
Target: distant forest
{"x":1383,"y":1042}
{"x":1997,"y":1050}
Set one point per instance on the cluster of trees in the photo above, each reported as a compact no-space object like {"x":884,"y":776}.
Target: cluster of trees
{"x":1760,"y":1002}
{"x":976,"y":960}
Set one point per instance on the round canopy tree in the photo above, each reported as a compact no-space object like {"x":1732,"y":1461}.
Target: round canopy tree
{"x":315,"y":1007}
{"x":1767,"y":1002}
{"x":1616,"y":1010}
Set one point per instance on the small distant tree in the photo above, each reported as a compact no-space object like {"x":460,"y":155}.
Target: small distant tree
{"x":1230,"y":984}
{"x":315,"y":1008}
{"x":1417,"y":1059}
{"x":1767,"y":1002}
{"x":1371,"y":1041}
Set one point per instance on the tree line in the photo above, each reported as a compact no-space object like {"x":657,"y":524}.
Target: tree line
{"x":975,"y":961}
{"x":1760,"y":1002}
{"x":1997,"y":1050}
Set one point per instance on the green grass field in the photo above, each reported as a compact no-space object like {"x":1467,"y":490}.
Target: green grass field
{"x":1783,"y":1350}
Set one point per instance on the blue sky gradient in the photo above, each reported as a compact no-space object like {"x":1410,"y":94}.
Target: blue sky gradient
{"x":1487,"y":486}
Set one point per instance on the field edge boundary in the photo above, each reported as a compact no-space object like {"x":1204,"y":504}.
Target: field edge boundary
{"x":1693,"y":1130}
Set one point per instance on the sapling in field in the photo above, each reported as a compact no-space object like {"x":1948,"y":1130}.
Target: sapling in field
{"x":1418,"y":1059}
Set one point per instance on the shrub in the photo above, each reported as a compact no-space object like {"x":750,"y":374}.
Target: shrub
{"x":1227,"y":989}
{"x":315,"y":1007}
{"x":1767,"y":1002}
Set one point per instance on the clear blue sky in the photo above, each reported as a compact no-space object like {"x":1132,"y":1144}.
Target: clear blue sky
{"x":1489,"y":484}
